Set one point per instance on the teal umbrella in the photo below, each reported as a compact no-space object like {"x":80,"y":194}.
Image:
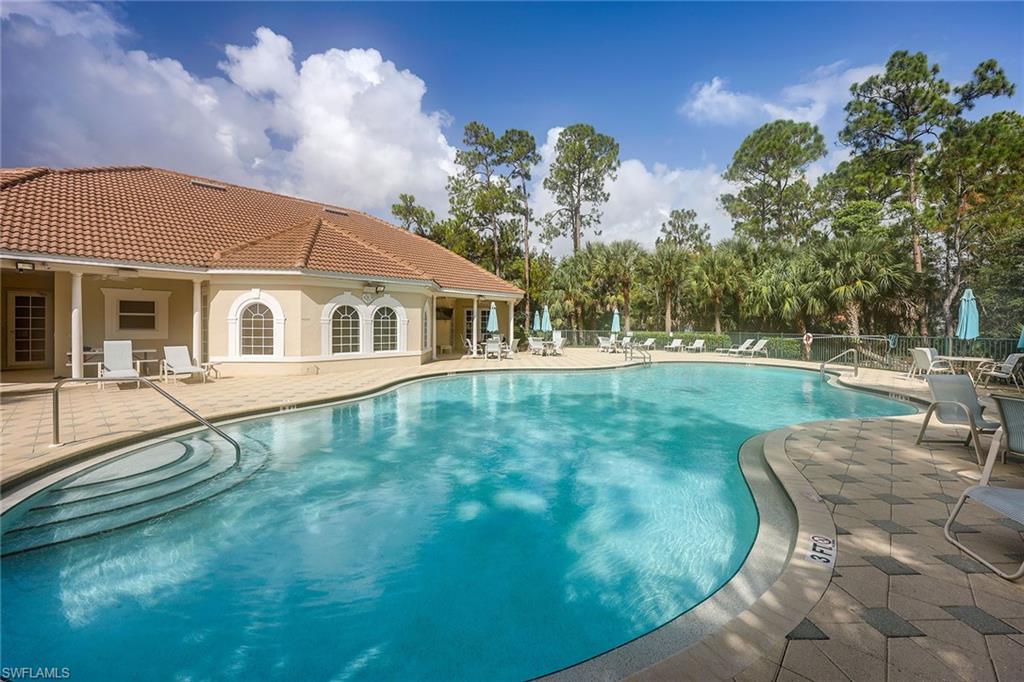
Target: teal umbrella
{"x":536,"y":320}
{"x":545,"y":325}
{"x":1020,"y":344}
{"x":616,"y":328}
{"x":492,"y":319}
{"x":967,"y":326}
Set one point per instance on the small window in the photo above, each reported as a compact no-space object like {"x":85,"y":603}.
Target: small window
{"x":257,"y":330}
{"x":136,"y":315}
{"x":385,"y":330}
{"x":345,"y":330}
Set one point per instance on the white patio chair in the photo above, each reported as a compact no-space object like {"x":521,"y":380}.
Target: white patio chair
{"x":956,"y":402}
{"x":926,"y":361}
{"x":1008,"y":502}
{"x":536,"y":345}
{"x":604,"y":344}
{"x":737,"y":349}
{"x":676,"y":345}
{"x":177,"y":363}
{"x":648,"y":344}
{"x":468,"y":345}
{"x":118,"y":363}
{"x":492,"y":347}
{"x":556,"y":345}
{"x":696,"y":347}
{"x":1008,"y":370}
{"x":759,"y":347}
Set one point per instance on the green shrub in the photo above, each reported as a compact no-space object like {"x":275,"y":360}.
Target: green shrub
{"x":788,"y":349}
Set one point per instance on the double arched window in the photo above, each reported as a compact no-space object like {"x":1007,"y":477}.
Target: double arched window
{"x":257,"y":330}
{"x":385,"y":329}
{"x":345,"y":331}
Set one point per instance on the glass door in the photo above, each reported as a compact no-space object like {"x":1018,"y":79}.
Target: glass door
{"x":27,"y":329}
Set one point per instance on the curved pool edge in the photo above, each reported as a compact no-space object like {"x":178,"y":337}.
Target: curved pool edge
{"x":716,"y":639}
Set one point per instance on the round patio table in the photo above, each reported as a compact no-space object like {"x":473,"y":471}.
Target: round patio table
{"x":966,"y":362}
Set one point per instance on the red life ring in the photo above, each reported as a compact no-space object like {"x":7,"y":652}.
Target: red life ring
{"x":808,"y":338}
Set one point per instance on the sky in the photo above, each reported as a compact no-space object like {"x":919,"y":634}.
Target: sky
{"x":353,"y":103}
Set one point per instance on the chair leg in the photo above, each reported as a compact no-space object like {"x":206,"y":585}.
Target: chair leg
{"x":927,"y":418}
{"x":947,"y":531}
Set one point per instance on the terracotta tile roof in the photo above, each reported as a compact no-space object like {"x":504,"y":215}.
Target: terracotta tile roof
{"x":152,"y":216}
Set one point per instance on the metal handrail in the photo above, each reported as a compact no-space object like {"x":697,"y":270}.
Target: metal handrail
{"x":192,"y":413}
{"x":645,"y":355}
{"x":856,"y":361}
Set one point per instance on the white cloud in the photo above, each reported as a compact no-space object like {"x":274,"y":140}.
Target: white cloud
{"x":810,"y":100}
{"x":344,"y":126}
{"x":641,"y":198}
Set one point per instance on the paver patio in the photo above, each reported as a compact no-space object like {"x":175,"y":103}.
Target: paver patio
{"x":903,"y":603}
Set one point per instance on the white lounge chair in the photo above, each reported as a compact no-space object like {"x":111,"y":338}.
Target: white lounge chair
{"x":604,"y":344}
{"x":1008,"y":502}
{"x":759,"y":347}
{"x":696,"y":347}
{"x":926,"y":361}
{"x":737,"y":349}
{"x":118,"y":363}
{"x":177,"y":363}
{"x":556,"y":345}
{"x":676,"y":345}
{"x":536,"y":345}
{"x":493,"y":347}
{"x":956,"y":402}
{"x":648,"y":344}
{"x":1008,"y":370}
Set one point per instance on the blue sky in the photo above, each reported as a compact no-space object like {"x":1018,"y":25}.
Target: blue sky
{"x":679,"y":85}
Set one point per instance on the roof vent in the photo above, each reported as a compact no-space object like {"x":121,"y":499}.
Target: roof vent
{"x":335,"y":211}
{"x":209,"y":185}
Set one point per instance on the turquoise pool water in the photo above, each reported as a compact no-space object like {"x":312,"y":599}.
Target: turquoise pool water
{"x":495,"y":526}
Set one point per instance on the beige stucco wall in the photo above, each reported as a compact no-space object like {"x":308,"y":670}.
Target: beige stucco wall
{"x":459,"y":321}
{"x":179,"y":312}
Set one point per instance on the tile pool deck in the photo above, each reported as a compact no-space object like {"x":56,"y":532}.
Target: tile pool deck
{"x":902,"y":603}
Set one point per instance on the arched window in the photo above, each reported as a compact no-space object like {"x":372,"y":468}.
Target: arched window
{"x":345,"y":330}
{"x":385,"y":329}
{"x":257,"y":330}
{"x":426,"y":327}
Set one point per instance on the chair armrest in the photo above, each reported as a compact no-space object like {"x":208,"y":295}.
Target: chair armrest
{"x":963,"y":408}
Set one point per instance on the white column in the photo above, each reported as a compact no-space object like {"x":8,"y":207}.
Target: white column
{"x":476,"y":323}
{"x":511,"y":322}
{"x":197,"y":321}
{"x":76,"y":325}
{"x":433,"y":327}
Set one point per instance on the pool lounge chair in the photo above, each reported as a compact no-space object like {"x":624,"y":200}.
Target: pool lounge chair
{"x":118,"y":363}
{"x":758,"y":347}
{"x":696,"y":347}
{"x":676,"y":345}
{"x":1009,"y":370}
{"x":956,"y":402}
{"x":738,"y":349}
{"x":177,"y":363}
{"x":926,"y":361}
{"x":1008,"y":502}
{"x":648,"y":344}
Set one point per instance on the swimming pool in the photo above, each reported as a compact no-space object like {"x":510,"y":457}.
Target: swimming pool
{"x":498,"y":526}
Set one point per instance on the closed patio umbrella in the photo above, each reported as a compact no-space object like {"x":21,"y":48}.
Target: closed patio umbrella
{"x":967,"y":326}
{"x":492,"y":319}
{"x":536,"y":320}
{"x":545,"y":325}
{"x":1020,"y":344}
{"x":616,"y":328}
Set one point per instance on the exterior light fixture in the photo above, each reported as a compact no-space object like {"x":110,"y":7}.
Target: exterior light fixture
{"x":22,"y":266}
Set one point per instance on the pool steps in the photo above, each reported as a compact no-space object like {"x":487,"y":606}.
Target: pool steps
{"x":142,"y":485}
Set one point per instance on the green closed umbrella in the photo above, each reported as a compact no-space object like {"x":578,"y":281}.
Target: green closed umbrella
{"x":492,"y":319}
{"x":967,"y":325}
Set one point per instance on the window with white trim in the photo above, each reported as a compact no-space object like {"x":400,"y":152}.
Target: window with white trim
{"x":257,"y":330}
{"x":136,"y":315}
{"x":485,"y":314}
{"x":385,"y":329}
{"x":345,"y":330}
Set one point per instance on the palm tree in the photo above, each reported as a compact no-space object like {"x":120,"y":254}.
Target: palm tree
{"x":667,"y":268}
{"x":789,"y":290}
{"x":857,"y":269}
{"x":718,"y":276}
{"x":622,"y":265}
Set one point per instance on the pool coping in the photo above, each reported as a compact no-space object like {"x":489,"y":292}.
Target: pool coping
{"x":725,"y":647}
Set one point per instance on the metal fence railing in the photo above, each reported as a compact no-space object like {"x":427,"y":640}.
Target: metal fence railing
{"x":880,"y":352}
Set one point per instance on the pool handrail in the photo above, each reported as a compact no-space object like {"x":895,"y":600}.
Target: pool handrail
{"x":856,"y":362}
{"x":192,"y":413}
